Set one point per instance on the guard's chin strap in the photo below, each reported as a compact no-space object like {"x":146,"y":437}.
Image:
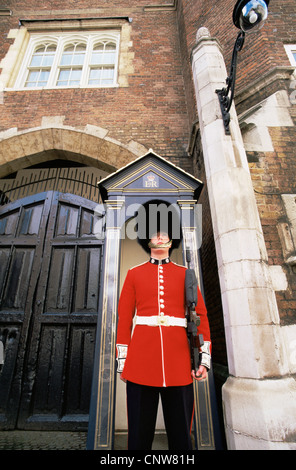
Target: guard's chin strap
{"x":162,"y":245}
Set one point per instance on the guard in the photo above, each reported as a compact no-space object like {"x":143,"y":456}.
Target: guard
{"x":154,"y":360}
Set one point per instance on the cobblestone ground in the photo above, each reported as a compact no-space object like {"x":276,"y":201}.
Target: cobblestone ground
{"x":42,"y":440}
{"x":59,"y":440}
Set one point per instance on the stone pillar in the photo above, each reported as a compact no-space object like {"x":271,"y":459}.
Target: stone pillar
{"x":203,"y":416}
{"x":102,"y":406}
{"x":259,"y":396}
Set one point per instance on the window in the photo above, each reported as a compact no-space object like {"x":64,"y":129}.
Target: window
{"x":71,"y":65}
{"x":291,"y":52}
{"x":102,"y":64}
{"x":86,"y":60}
{"x":40,"y":65}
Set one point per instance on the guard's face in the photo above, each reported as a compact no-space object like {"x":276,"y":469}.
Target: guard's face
{"x":159,"y":238}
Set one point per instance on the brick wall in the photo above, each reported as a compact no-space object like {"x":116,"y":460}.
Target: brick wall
{"x":262,"y":51}
{"x":273,"y":173}
{"x":151,"y":110}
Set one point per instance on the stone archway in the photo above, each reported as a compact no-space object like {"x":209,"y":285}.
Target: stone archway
{"x":91,"y":146}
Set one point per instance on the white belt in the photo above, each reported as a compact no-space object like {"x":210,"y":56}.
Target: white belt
{"x":161,"y":320}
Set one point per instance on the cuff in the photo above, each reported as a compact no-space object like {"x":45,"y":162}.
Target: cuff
{"x":205,"y":351}
{"x":121,"y":356}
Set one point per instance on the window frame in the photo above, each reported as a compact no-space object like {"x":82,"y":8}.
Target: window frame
{"x":60,"y":66}
{"x":62,"y":40}
{"x":40,"y":68}
{"x":104,"y":65}
{"x":290,"y":49}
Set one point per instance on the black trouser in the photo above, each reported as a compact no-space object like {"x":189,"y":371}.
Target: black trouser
{"x":142,"y":405}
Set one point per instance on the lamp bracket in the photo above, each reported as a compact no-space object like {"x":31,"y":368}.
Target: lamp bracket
{"x":224,"y":99}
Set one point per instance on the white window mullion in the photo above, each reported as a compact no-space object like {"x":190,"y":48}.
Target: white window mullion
{"x":85,"y":68}
{"x":54,"y":69}
{"x":115,"y":83}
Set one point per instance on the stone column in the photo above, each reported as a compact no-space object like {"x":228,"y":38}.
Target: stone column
{"x":102,"y":406}
{"x":259,"y":396}
{"x":203,"y":416}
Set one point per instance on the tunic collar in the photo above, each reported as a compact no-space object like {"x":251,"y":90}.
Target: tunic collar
{"x":159,"y":261}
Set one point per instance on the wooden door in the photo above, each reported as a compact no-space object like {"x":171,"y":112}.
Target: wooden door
{"x":50,"y":264}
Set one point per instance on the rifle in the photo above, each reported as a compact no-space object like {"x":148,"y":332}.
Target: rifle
{"x":193,"y":321}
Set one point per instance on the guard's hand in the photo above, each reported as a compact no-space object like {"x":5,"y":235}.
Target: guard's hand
{"x":121,"y":378}
{"x":201,"y":374}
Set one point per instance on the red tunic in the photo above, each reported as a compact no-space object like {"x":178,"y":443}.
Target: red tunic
{"x":157,"y":355}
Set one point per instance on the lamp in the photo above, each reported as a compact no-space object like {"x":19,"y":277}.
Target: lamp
{"x":248,"y":15}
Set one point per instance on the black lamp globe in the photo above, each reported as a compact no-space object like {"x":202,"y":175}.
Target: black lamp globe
{"x":250,"y":14}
